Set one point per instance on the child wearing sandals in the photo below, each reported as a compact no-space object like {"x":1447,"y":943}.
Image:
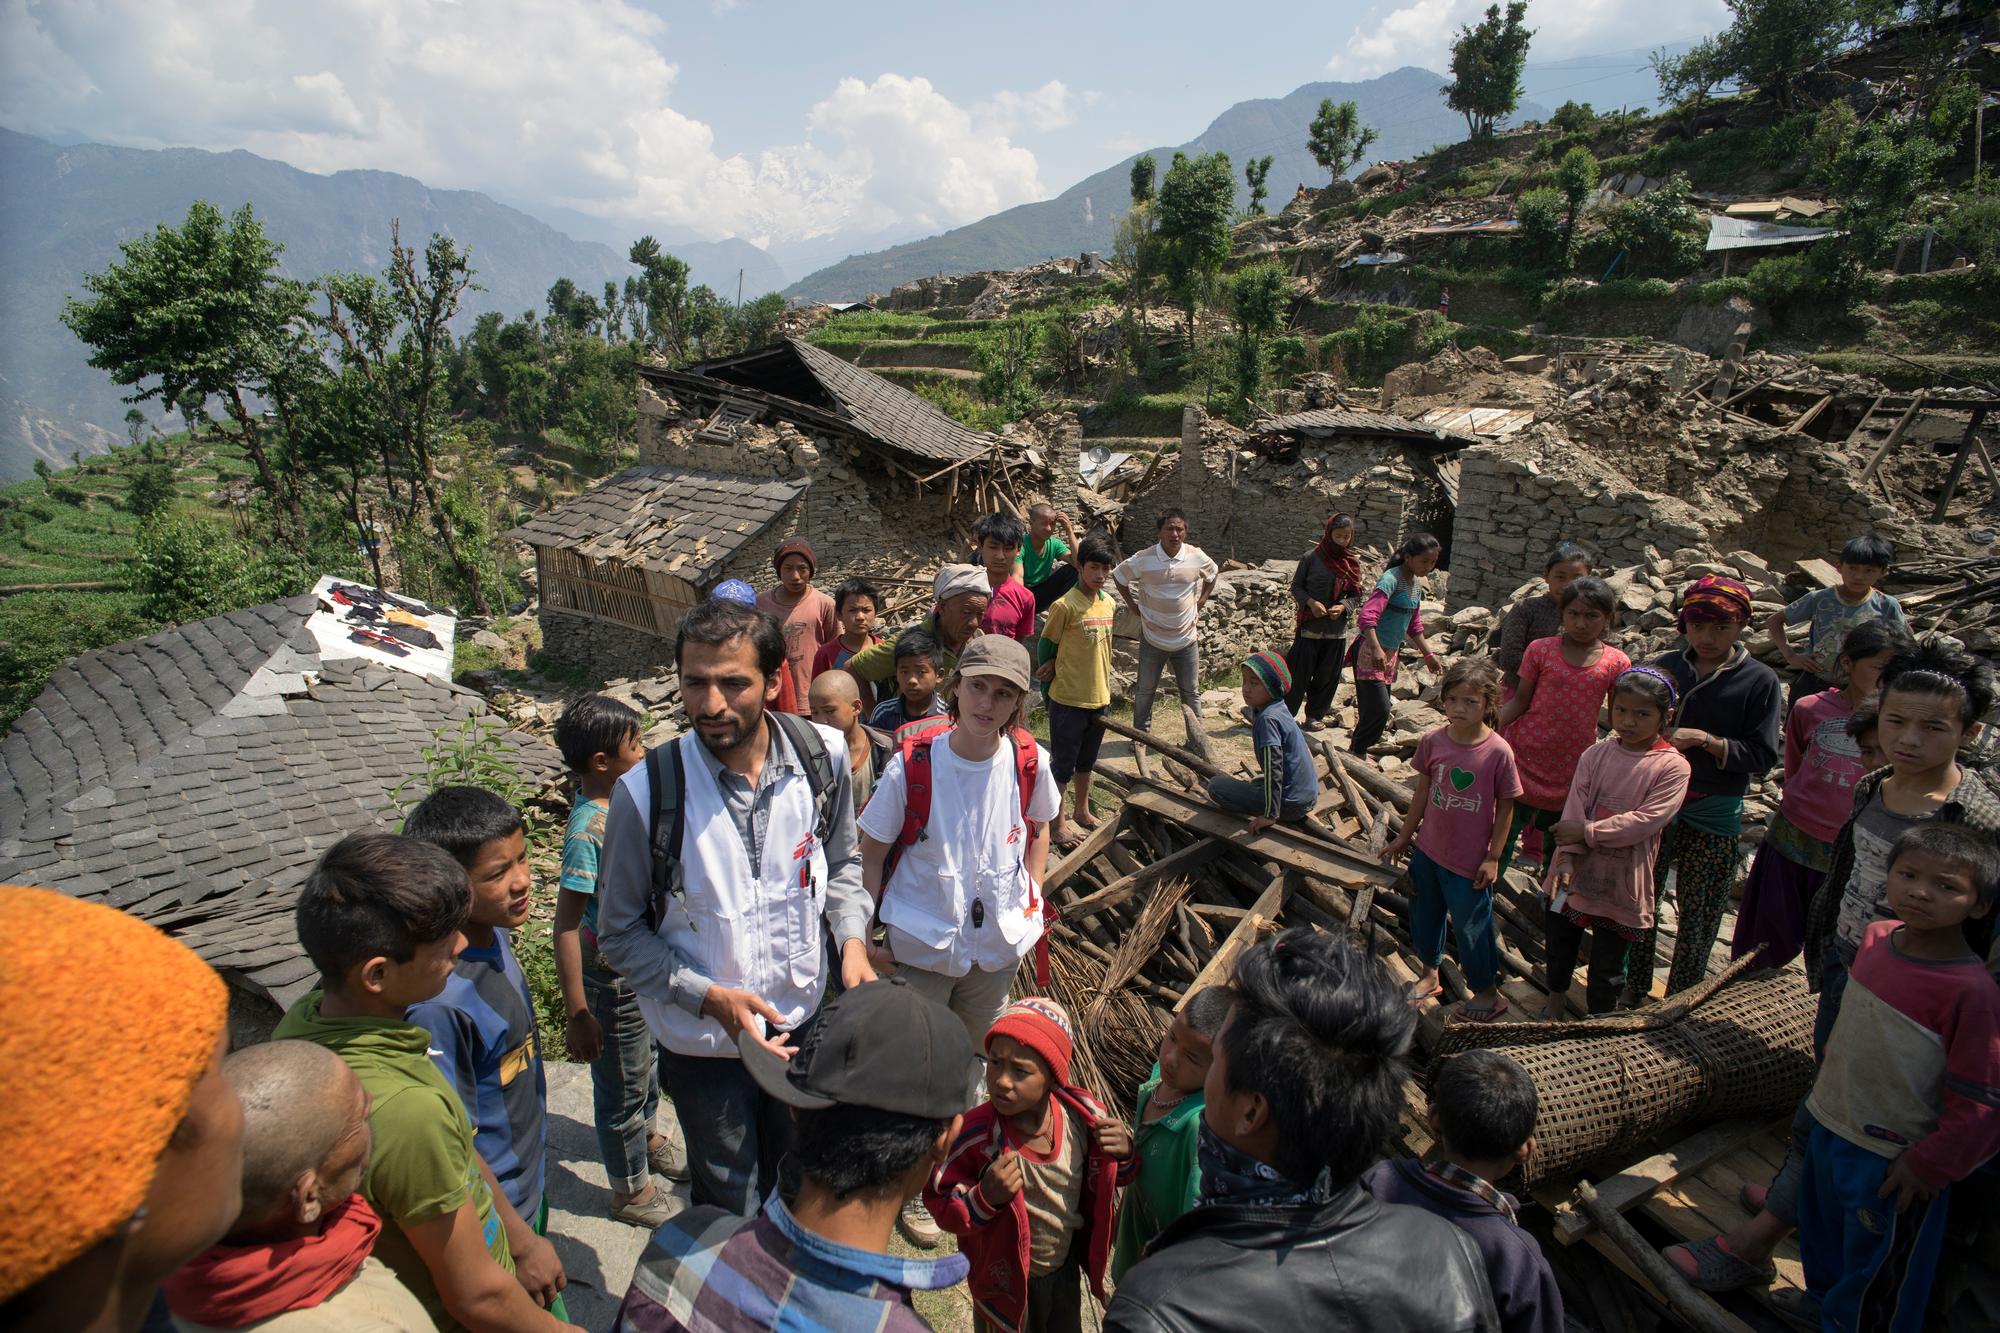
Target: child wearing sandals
{"x":1626,"y":791}
{"x":1459,"y":816}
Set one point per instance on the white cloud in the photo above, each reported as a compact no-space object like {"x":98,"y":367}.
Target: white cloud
{"x":1049,"y":107}
{"x":568,"y":101}
{"x":1419,"y":32}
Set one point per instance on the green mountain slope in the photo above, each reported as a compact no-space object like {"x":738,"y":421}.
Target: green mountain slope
{"x":1404,"y":106}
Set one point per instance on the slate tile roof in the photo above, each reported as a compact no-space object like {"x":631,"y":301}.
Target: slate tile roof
{"x":1326,"y":421}
{"x":665,"y":518}
{"x":889,"y":412}
{"x":137,"y":779}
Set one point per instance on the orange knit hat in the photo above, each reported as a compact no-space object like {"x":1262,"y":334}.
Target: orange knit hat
{"x":105,"y":1027}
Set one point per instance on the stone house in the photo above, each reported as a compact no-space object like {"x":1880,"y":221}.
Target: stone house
{"x":193,"y":777}
{"x":735,"y":456}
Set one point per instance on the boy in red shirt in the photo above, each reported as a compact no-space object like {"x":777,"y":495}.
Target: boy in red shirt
{"x":1031,"y":1185}
{"x":1012,"y":609}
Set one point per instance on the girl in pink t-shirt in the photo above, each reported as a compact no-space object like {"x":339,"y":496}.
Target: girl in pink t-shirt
{"x":1553,"y":717}
{"x":1459,"y":816}
{"x":1823,"y":761}
{"x":1627,"y":790}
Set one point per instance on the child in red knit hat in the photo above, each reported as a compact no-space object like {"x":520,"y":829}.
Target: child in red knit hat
{"x":1031,"y":1185}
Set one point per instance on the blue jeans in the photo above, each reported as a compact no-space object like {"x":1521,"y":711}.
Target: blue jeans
{"x":1244,"y":797}
{"x":1782,"y":1199}
{"x":1868,"y":1265}
{"x":624,"y":1082}
{"x":1186,"y":666}
{"x":1436,"y":893}
{"x":736,"y":1136}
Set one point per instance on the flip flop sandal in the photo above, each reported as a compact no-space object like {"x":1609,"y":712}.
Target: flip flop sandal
{"x":1715,"y":1269}
{"x":1751,"y":1198}
{"x":1468,"y":1012}
{"x":1797,"y":1308}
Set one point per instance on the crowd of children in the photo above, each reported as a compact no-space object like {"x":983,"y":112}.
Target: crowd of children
{"x":1879,"y":866}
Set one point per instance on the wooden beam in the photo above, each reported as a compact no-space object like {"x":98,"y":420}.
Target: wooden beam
{"x":1697,"y":1311}
{"x":1958,"y":463}
{"x":1078,"y":856}
{"x":1301,"y":851}
{"x":1187,"y":758}
{"x":1811,"y":414}
{"x":1118,"y":890}
{"x":1641,"y":1180}
{"x":1379,"y":784}
{"x":1894,"y":437}
{"x":1222,"y":963}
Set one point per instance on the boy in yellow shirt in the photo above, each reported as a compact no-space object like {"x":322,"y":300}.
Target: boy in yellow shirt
{"x":1075,"y":656}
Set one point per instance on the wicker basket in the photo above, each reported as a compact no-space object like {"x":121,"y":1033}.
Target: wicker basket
{"x":1737,"y":1045}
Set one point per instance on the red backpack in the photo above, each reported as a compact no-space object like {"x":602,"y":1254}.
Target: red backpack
{"x":913,"y":742}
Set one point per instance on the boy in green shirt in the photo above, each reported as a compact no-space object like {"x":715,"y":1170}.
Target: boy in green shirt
{"x":1169,"y":1128}
{"x":1047,"y":565}
{"x":382,"y":917}
{"x":1075,"y":656}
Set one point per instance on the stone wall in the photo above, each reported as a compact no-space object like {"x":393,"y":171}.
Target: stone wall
{"x":603,"y":650}
{"x":1244,"y":506}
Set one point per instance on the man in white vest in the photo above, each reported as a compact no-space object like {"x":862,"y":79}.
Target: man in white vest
{"x":728,"y":856}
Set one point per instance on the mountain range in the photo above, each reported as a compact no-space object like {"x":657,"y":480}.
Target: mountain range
{"x":1403,"y":106}
{"x":64,"y":209}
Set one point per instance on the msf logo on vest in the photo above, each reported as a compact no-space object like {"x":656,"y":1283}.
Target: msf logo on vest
{"x":802,"y":856}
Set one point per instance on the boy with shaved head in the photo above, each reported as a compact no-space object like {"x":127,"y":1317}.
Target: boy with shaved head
{"x":836,"y":702}
{"x":299,"y":1257}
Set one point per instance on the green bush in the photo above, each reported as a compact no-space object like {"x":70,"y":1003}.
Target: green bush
{"x":1782,"y":143}
{"x":1540,"y":240}
{"x":40,"y":630}
{"x":1574,"y":118}
{"x":1373,"y":344}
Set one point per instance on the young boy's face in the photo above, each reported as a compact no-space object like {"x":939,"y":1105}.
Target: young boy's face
{"x":916,"y":681}
{"x":1858,"y":579}
{"x":987,"y":705}
{"x":1091,"y":576}
{"x":794,"y":574}
{"x":998,"y":557}
{"x":842,"y":714}
{"x":1870,"y":744}
{"x":616,"y":763}
{"x":1920,"y":732}
{"x":1184,"y":1056}
{"x":501,"y":883}
{"x":857,"y":615}
{"x":1041,"y":523}
{"x":1016,"y":1079}
{"x":1254,"y":692}
{"x":424,"y":975}
{"x":1931,"y":892}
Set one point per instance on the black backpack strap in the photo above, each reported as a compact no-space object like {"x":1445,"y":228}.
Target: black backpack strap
{"x":810,"y":746}
{"x":667,"y":777}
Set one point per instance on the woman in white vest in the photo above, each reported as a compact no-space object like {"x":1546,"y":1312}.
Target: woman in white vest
{"x":963,"y":903}
{"x":766,"y":854}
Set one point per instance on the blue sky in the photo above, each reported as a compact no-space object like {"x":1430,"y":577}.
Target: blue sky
{"x":781,"y":122}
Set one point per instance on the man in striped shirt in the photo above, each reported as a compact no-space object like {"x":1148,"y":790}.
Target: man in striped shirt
{"x":1166,"y":585}
{"x":879,"y":1092}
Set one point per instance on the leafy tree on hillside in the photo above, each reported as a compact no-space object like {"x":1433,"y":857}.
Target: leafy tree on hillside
{"x":663,"y":296}
{"x":759,"y":318}
{"x":1194,"y":207}
{"x":1256,"y":174}
{"x":200,"y":312}
{"x":1257,"y":299}
{"x":1770,"y":45}
{"x":1337,"y":138}
{"x":1143,"y":171}
{"x":1486,"y":65}
{"x":1576,"y":178}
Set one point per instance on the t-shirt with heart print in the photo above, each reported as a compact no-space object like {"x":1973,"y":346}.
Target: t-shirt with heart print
{"x":1467,"y":781}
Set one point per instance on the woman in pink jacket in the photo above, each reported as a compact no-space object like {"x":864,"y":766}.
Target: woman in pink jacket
{"x":1626,"y":790}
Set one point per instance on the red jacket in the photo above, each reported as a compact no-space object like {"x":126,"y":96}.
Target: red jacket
{"x":996,"y":1243}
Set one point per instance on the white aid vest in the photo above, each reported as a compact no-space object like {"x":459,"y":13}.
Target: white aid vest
{"x":744,"y":927}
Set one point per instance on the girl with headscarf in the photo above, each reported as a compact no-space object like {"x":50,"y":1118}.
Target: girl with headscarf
{"x":1727,"y":728}
{"x":1325,"y":586}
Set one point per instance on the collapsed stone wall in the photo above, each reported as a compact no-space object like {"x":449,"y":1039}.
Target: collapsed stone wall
{"x":601,"y":649}
{"x":1243,"y":505}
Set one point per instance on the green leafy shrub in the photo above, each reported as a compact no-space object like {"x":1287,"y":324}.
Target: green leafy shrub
{"x":1540,"y":240}
{"x":1574,"y":118}
{"x":41,"y":630}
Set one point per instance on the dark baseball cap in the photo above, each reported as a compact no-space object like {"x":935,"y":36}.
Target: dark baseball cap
{"x":880,"y":1045}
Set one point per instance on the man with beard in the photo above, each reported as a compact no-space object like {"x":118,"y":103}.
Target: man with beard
{"x":723,"y":855}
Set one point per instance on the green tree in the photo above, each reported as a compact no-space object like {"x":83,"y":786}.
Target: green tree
{"x":757,"y":320}
{"x":1256,"y":174}
{"x":1337,"y":138}
{"x":149,"y":487}
{"x":1576,"y":178}
{"x":1770,"y":45}
{"x":1573,"y":118}
{"x":1486,"y":65}
{"x":1257,"y":299}
{"x":663,"y":295}
{"x":1687,"y":79}
{"x":1007,"y":363}
{"x":1193,"y":227}
{"x":200,"y":312}
{"x":1541,"y":238}
{"x":1143,"y":170}
{"x":1660,"y":228}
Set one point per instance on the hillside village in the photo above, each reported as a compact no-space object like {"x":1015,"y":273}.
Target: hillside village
{"x":1712,"y":341}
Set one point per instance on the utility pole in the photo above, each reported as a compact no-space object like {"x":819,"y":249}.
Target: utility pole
{"x":739,"y":284}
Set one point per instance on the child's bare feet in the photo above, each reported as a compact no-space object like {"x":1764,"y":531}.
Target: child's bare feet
{"x":1063,"y":836}
{"x":1553,"y":1011}
{"x":1085,"y":819}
